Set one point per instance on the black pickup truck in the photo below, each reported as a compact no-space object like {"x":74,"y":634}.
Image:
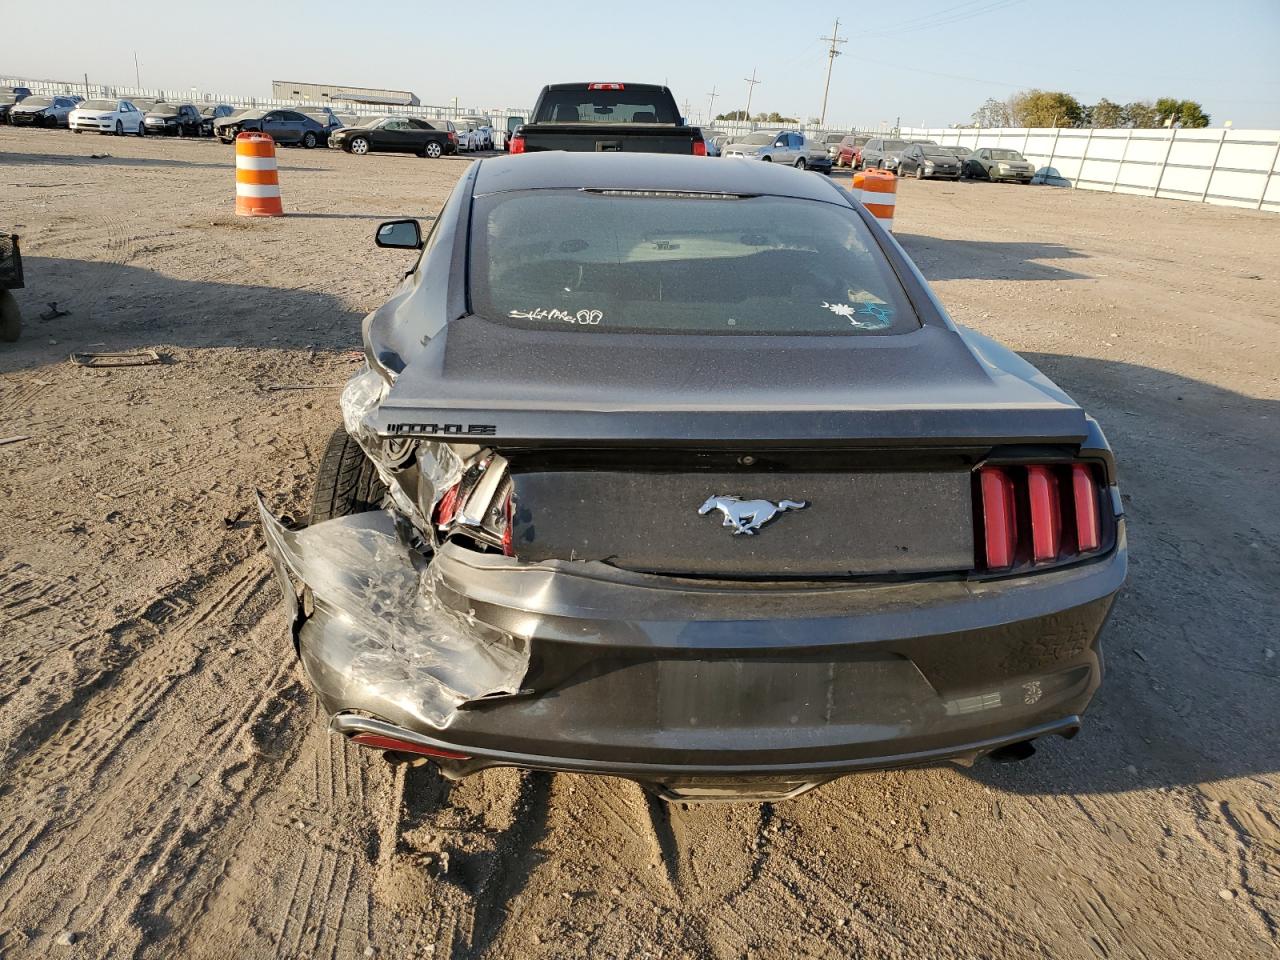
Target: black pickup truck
{"x":604,"y":117}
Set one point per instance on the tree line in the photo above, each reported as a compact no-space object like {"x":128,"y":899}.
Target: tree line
{"x":1053,"y":108}
{"x":774,"y":117}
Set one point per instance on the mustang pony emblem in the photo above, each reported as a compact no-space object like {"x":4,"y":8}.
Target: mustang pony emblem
{"x":748,"y":516}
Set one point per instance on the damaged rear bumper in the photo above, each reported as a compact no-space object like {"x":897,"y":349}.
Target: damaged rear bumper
{"x":583,"y":667}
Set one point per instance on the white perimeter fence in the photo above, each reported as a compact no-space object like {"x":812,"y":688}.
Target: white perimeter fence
{"x":1236,"y":168}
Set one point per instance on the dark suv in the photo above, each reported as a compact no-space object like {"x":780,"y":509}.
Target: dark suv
{"x":173,"y":119}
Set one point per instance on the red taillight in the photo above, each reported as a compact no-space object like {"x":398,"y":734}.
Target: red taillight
{"x":999,"y":518}
{"x":517,"y":143}
{"x":605,"y":86}
{"x":1052,"y":500}
{"x":699,"y":148}
{"x":447,"y":506}
{"x":508,"y":512}
{"x":453,"y":136}
{"x":381,"y":741}
{"x":1046,"y":516}
{"x":1084,"y":492}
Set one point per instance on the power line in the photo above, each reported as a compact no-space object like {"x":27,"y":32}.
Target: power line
{"x":928,"y":23}
{"x":835,"y":38}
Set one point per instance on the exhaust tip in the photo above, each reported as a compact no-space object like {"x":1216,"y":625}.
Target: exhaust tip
{"x":1013,"y":752}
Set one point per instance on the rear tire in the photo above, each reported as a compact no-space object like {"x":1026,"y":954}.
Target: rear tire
{"x":433,"y":150}
{"x":346,"y":482}
{"x":10,"y":317}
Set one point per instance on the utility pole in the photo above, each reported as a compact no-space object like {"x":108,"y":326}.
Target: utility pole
{"x":87,"y":94}
{"x":711,"y":105}
{"x":686,"y":110}
{"x":832,"y":53}
{"x":137,"y":74}
{"x":751,"y":88}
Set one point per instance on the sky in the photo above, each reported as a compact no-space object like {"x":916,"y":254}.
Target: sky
{"x":929,"y":63}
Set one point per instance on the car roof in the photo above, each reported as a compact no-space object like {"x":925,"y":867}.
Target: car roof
{"x":553,"y":169}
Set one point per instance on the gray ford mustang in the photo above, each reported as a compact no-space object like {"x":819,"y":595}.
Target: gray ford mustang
{"x":679,"y":472}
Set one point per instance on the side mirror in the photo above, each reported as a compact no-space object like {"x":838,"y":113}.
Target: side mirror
{"x":399,"y":235}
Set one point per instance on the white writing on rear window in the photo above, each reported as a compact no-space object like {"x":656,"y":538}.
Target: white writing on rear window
{"x":586,"y":318}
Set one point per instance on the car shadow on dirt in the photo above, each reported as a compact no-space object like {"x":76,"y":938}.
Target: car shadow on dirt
{"x":8,"y":158}
{"x":948,"y":259}
{"x":1192,"y":649}
{"x":114,"y":307}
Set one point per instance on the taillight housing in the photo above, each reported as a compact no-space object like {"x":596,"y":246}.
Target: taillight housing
{"x":517,"y":143}
{"x":478,"y":509}
{"x":1032,"y":515}
{"x":699,"y":148}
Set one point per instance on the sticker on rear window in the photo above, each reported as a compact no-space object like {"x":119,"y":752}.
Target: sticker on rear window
{"x":586,"y":318}
{"x":864,"y":316}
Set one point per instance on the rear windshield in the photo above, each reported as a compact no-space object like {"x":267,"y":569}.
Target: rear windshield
{"x":607,"y":106}
{"x":645,"y":262}
{"x":895,"y":144}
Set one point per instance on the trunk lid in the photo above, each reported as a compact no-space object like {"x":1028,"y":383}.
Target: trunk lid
{"x":485,"y":382}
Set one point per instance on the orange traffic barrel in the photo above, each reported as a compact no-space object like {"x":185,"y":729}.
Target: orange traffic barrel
{"x":257,"y":182}
{"x":880,"y":195}
{"x":858,"y":179}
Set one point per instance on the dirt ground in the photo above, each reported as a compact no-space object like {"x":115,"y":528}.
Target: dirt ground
{"x":168,"y":787}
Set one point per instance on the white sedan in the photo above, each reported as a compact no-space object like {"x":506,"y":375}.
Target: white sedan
{"x":108,"y":116}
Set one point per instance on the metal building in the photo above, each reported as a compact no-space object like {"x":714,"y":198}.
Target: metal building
{"x":323,"y":92}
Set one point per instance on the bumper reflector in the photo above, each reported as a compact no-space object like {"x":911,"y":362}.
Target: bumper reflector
{"x":380,"y":742}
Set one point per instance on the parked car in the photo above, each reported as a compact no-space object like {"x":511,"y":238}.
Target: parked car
{"x":7,"y":100}
{"x":42,"y":111}
{"x":580,"y":569}
{"x":395,"y":135}
{"x":174,"y":120}
{"x":107,"y":116}
{"x":608,"y":118}
{"x":771,"y":146}
{"x":481,"y":128}
{"x":717,"y":143}
{"x":328,"y":120}
{"x":513,"y":124}
{"x":469,"y":138}
{"x":817,"y":156}
{"x":286,"y":127}
{"x":883,"y":153}
{"x":18,"y":93}
{"x":928,"y":160}
{"x":849,"y":153}
{"x":1000,"y":163}
{"x":831,"y":143}
{"x":211,"y":113}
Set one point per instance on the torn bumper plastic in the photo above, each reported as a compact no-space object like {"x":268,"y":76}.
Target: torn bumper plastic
{"x":370,"y":630}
